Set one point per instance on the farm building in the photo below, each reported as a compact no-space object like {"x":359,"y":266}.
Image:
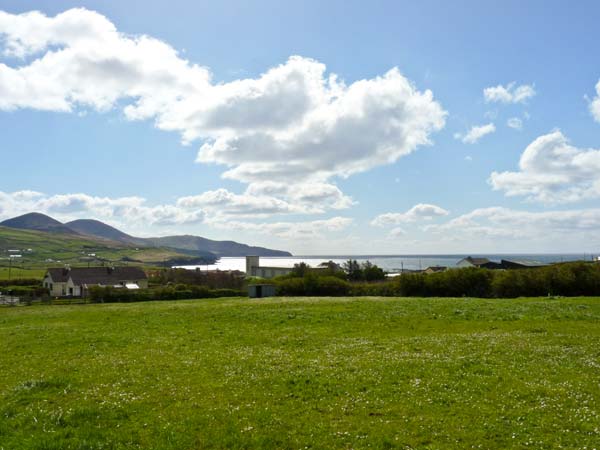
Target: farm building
{"x":254,"y":269}
{"x":261,"y":290}
{"x":435,"y":269}
{"x":76,"y":281}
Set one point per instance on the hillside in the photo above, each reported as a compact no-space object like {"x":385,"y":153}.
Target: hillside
{"x":219,"y":248}
{"x":99,"y":229}
{"x":194,"y":246}
{"x":41,"y":249}
{"x":38,"y":222}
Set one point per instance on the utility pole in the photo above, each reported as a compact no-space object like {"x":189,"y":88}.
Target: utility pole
{"x":9,"y":267}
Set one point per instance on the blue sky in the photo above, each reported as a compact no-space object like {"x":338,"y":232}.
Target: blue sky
{"x":320,"y":168}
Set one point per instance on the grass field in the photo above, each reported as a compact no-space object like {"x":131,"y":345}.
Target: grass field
{"x":17,"y":273}
{"x":302,"y":373}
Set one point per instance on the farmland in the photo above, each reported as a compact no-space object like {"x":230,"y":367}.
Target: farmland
{"x":39,"y":250}
{"x":295,"y":373}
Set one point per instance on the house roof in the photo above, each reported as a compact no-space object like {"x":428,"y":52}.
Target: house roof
{"x":97,"y":275}
{"x":436,"y":268}
{"x":524,"y":262}
{"x":476,"y":261}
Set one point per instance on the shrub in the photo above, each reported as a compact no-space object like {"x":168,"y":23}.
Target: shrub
{"x":109,"y":294}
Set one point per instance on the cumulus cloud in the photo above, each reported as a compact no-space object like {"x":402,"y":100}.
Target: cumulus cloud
{"x":308,"y":197}
{"x":122,"y":210}
{"x":294,"y":123}
{"x":511,"y":93}
{"x":595,"y":104}
{"x":289,"y":230}
{"x":422,"y":211}
{"x":551,"y":170}
{"x":475,"y":133}
{"x":219,"y":209}
{"x":515,"y":123}
{"x":225,"y":202}
{"x":396,"y":233}
{"x":499,"y":222}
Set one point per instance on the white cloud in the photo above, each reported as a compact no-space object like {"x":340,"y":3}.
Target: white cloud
{"x":396,"y":233}
{"x":294,"y":123}
{"x":422,"y":211}
{"x":310,"y":197}
{"x":475,"y":133}
{"x":224,"y":202}
{"x":511,"y":93}
{"x":288,"y":230}
{"x":552,"y":171}
{"x":595,"y":104}
{"x":515,"y":123}
{"x":217,"y":209}
{"x":498,"y":222}
{"x":119,"y":211}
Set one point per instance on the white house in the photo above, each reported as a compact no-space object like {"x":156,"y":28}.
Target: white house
{"x":76,"y":281}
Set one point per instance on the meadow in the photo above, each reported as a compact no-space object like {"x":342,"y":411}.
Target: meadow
{"x":302,"y":373}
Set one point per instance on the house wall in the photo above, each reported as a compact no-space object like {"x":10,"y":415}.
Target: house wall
{"x":56,"y":289}
{"x":251,"y":263}
{"x":73,"y":289}
{"x":464,"y":263}
{"x":270,"y":272}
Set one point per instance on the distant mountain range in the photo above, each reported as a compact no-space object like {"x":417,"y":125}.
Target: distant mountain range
{"x":192,"y":245}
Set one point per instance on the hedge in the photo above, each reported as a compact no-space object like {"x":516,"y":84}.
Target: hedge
{"x":109,"y":294}
{"x":566,"y":279}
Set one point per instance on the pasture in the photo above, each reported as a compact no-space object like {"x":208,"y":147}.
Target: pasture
{"x":302,"y":373}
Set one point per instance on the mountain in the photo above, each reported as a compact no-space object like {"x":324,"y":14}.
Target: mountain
{"x":99,"y":229}
{"x":195,"y":246}
{"x":43,"y":249}
{"x":37,"y":222}
{"x":219,"y":248}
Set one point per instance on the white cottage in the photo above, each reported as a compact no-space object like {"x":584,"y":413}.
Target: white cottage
{"x":76,"y":281}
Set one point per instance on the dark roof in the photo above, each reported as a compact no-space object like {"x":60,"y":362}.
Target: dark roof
{"x":522,"y":263}
{"x":437,"y":268}
{"x":97,"y":275}
{"x":476,"y":261}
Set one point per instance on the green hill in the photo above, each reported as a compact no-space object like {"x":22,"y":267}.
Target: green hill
{"x":40,"y":249}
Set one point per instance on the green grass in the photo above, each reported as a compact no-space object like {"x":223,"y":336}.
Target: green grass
{"x":17,"y":272}
{"x":302,"y":373}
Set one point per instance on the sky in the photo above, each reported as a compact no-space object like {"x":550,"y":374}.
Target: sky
{"x":339,"y":127}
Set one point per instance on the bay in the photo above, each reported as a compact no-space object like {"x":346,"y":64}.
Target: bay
{"x":389,"y":263}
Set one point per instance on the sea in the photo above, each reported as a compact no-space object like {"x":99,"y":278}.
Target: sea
{"x":389,"y":263}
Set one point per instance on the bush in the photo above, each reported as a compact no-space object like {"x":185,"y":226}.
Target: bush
{"x":330,"y":286}
{"x":109,"y":294}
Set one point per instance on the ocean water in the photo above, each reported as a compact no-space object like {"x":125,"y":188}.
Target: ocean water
{"x":390,"y":263}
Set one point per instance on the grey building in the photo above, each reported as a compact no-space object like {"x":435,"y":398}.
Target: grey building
{"x":254,"y":269}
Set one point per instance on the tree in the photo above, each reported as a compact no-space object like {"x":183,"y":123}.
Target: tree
{"x":352,"y":268}
{"x":371,"y":272}
{"x":300,"y":269}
